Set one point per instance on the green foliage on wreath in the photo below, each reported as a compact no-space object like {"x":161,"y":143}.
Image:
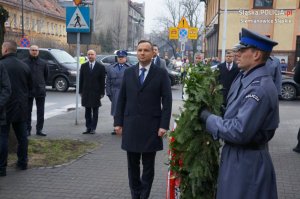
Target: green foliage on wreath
{"x":195,"y":153}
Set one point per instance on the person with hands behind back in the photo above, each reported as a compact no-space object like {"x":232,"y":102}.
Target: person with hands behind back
{"x":249,"y":123}
{"x":142,"y":117}
{"x":114,"y":78}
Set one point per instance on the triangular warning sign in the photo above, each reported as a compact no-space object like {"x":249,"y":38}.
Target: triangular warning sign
{"x":77,"y":21}
{"x":183,"y":23}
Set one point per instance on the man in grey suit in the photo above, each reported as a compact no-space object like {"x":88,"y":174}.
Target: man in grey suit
{"x":156,"y":59}
{"x":143,"y":117}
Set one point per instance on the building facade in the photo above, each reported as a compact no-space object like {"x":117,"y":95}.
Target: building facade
{"x":123,"y":19}
{"x":279,"y":20}
{"x":44,"y":22}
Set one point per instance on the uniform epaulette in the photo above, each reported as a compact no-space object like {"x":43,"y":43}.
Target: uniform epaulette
{"x":256,"y":82}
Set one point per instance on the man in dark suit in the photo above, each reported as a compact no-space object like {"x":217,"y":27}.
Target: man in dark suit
{"x":91,"y":89}
{"x":156,"y":59}
{"x":39,"y":72}
{"x":228,"y":72}
{"x":16,"y":107}
{"x":143,"y":117}
{"x":5,"y":91}
{"x":297,"y":79}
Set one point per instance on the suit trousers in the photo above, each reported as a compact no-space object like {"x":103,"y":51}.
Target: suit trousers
{"x":21,"y":135}
{"x":40,"y":110}
{"x":91,"y":118}
{"x":140,"y":186}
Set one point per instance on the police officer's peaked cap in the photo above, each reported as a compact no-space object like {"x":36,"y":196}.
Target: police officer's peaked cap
{"x":252,"y":39}
{"x":121,"y":53}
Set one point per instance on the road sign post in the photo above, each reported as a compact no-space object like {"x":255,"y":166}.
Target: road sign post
{"x":77,"y":20}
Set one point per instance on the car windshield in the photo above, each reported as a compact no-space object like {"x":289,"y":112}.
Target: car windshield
{"x":63,"y":57}
{"x":133,"y":60}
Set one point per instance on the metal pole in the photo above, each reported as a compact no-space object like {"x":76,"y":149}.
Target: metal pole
{"x":22,"y":18}
{"x":77,"y":77}
{"x":132,"y":35}
{"x":224,"y":32}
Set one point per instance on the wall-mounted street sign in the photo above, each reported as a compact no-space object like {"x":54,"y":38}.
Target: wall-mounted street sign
{"x":78,"y":19}
{"x":193,"y":33}
{"x":173,"y":33}
{"x":183,"y":23}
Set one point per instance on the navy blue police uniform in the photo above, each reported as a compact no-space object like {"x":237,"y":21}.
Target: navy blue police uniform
{"x":249,"y":123}
{"x":114,"y":80}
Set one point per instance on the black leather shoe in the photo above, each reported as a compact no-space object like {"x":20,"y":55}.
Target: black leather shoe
{"x":296,"y":149}
{"x":40,"y":133}
{"x":21,"y":166}
{"x":88,"y":131}
{"x":92,"y":132}
{"x":3,"y":172}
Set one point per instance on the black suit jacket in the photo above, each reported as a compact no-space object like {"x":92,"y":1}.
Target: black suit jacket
{"x":226,"y":77}
{"x":21,"y":83}
{"x":39,"y":72}
{"x":91,"y":84}
{"x":143,"y":109}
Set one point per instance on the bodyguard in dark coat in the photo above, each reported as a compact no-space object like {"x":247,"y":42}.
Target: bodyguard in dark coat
{"x":114,"y":79}
{"x":297,"y":79}
{"x":39,"y":73}
{"x":228,"y":72}
{"x":251,"y":118}
{"x":91,"y":89}
{"x":273,"y":65}
{"x":5,"y":91}
{"x":17,"y":106}
{"x":143,"y":117}
{"x":157,"y":60}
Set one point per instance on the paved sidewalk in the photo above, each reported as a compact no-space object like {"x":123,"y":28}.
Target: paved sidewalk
{"x":102,"y":174}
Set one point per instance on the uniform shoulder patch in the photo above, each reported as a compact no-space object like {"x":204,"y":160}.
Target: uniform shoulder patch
{"x":253,"y":96}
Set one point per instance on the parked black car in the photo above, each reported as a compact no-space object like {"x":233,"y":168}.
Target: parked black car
{"x":62,"y":67}
{"x":290,"y":89}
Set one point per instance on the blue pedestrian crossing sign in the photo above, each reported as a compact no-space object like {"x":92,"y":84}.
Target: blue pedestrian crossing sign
{"x":78,"y":19}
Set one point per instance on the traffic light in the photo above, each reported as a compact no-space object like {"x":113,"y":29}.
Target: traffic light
{"x":77,"y":2}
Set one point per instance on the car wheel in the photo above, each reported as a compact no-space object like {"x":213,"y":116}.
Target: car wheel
{"x":61,"y":84}
{"x":288,"y":92}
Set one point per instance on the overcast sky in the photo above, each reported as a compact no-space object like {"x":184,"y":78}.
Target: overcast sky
{"x":153,"y":9}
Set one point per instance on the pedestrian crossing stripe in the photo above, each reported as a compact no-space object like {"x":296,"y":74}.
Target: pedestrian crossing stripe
{"x":78,"y":19}
{"x":54,"y":112}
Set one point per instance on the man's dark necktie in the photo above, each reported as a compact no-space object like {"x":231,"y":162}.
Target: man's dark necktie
{"x":228,"y":66}
{"x":91,"y":67}
{"x":142,"y":75}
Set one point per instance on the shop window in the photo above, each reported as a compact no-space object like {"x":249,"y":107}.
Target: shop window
{"x":263,"y":4}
